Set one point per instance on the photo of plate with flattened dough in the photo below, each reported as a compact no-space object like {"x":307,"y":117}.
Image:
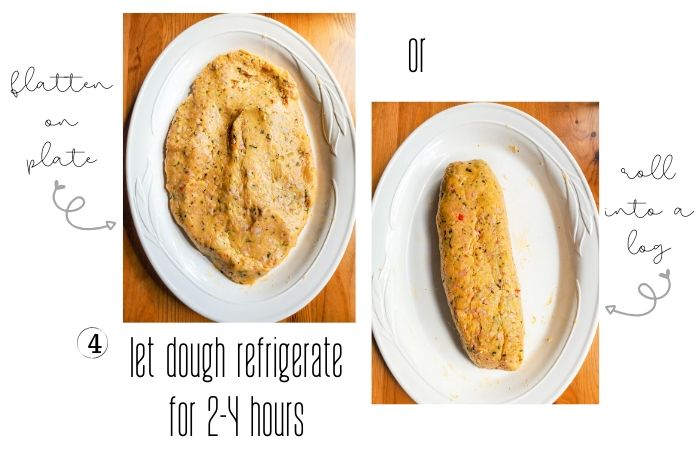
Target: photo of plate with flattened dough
{"x":240,"y":169}
{"x":484,"y":260}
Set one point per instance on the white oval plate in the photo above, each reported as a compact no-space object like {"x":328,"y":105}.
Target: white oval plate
{"x":554,"y":233}
{"x":190,"y":275}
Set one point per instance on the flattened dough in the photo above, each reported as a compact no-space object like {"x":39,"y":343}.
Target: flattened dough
{"x":239,"y":169}
{"x":478,"y":272}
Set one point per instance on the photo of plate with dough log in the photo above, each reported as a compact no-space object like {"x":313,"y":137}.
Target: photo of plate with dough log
{"x":240,"y":169}
{"x":484,"y":260}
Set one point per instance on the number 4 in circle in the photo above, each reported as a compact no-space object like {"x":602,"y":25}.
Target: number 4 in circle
{"x":92,"y":342}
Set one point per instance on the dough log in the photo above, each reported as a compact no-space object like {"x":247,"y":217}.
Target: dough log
{"x":478,"y":272}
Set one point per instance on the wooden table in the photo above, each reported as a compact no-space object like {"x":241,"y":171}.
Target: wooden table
{"x":576,"y":124}
{"x":146,"y":299}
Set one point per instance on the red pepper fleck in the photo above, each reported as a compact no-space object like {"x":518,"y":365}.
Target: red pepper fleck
{"x":460,"y":216}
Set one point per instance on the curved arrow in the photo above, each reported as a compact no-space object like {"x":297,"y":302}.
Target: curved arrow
{"x":652,"y":296}
{"x":70,"y":208}
{"x":613,"y":309}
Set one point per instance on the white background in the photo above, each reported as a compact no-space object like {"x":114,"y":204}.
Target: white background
{"x":639,"y":61}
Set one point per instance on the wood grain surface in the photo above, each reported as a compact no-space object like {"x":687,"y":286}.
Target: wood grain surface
{"x":576,"y":124}
{"x":146,"y":298}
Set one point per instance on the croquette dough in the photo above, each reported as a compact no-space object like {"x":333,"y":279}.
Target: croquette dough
{"x":478,"y":272}
{"x":239,"y":169}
